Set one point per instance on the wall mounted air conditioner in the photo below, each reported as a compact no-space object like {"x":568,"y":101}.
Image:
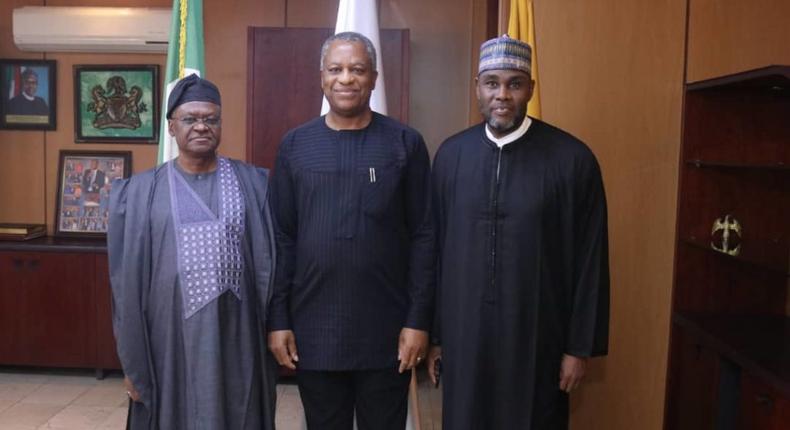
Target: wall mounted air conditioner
{"x":91,"y":29}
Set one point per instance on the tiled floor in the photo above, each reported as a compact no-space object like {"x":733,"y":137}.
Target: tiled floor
{"x":49,"y":399}
{"x":32,"y":399}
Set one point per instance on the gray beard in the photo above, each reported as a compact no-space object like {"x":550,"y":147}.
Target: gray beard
{"x":500,"y":127}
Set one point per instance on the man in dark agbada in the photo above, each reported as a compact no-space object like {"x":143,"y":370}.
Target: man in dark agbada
{"x":523,"y":295}
{"x":353,"y":296}
{"x":191,"y":253}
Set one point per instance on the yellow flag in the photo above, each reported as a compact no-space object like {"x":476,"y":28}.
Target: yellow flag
{"x":521,"y":25}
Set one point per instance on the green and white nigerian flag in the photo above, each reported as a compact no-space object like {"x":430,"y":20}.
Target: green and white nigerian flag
{"x":184,"y":57}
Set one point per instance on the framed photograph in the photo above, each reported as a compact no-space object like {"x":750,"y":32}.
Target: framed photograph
{"x":84,"y":182}
{"x":27,"y":94}
{"x":116,"y":103}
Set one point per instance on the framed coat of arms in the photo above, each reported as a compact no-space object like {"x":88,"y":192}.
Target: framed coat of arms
{"x":116,"y":103}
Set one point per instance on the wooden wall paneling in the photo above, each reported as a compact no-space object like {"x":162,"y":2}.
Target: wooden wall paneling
{"x":22,"y":180}
{"x":21,"y":152}
{"x":478,"y":36}
{"x":612,"y":74}
{"x":730,"y":36}
{"x":225,"y":26}
{"x":444,"y":37}
{"x":312,"y":13}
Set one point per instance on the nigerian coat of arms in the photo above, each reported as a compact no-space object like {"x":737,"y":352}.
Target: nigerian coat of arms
{"x":114,"y":106}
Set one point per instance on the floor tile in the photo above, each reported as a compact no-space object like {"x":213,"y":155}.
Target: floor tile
{"x":16,"y":391}
{"x":6,"y":403}
{"x":79,"y":417}
{"x":55,"y":394}
{"x":102,"y":395}
{"x":31,"y":415}
{"x":116,"y":420}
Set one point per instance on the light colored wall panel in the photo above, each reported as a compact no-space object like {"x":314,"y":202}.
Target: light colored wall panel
{"x":611,"y":73}
{"x":730,"y":36}
{"x":21,"y":152}
{"x":442,"y":38}
{"x":226,"y":24}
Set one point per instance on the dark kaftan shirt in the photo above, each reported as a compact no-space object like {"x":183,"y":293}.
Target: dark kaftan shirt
{"x":355,"y":238}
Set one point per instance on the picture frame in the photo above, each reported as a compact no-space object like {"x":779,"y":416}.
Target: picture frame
{"x":28,"y":94}
{"x":116,"y":103}
{"x":84,"y":184}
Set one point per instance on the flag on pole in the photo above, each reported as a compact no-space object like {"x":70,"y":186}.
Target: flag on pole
{"x":362,"y":17}
{"x":184,"y":57}
{"x":521,"y":25}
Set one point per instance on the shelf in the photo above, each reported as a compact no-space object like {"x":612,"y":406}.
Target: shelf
{"x":691,"y":241}
{"x":729,"y":165}
{"x":758,"y":344}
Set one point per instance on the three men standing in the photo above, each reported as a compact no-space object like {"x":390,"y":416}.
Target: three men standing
{"x":523,"y":294}
{"x":513,"y":220}
{"x":354,"y":291}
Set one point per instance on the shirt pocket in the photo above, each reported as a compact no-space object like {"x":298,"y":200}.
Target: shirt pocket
{"x":380,"y":189}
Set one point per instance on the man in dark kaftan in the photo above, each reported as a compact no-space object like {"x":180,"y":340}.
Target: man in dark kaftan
{"x":191,"y":261}
{"x":523,"y":295}
{"x":353,"y":298}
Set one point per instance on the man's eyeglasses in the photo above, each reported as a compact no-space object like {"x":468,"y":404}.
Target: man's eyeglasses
{"x":190,"y":121}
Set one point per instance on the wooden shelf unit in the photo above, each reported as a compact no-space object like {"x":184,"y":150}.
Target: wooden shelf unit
{"x":729,"y":364}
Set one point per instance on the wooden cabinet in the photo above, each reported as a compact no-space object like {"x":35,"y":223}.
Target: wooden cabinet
{"x":730,"y":342}
{"x":762,"y":406}
{"x":55,"y":305}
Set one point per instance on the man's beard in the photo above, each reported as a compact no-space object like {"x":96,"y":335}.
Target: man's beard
{"x":504,"y":127}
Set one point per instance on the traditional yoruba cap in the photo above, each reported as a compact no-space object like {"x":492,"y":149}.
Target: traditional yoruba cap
{"x":505,"y":53}
{"x":192,"y":89}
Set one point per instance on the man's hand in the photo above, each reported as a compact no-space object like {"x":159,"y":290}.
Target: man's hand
{"x":411,"y":348}
{"x":434,"y":355}
{"x":130,"y":391}
{"x":572,"y":371}
{"x":282,"y":344}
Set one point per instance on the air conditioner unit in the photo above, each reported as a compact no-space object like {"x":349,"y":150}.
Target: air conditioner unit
{"x":91,"y":29}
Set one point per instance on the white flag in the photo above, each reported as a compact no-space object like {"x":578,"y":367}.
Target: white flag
{"x":362,"y":17}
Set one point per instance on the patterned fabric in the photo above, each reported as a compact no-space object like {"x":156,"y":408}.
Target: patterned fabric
{"x":505,"y":53}
{"x":209,"y":247}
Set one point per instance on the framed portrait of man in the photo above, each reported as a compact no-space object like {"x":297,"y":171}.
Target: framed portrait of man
{"x":27,"y":94}
{"x":116,"y":103}
{"x":84,"y":183}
